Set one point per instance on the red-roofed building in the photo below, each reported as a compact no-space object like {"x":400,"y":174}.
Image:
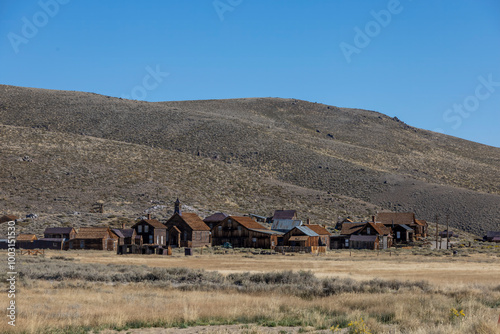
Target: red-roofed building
{"x":244,"y":232}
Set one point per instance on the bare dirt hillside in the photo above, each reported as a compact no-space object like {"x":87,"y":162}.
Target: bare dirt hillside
{"x":332,"y":151}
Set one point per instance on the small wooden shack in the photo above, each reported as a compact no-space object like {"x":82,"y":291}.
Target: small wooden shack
{"x":244,"y":232}
{"x":126,"y":236}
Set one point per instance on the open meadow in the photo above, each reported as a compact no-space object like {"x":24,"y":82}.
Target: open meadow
{"x":402,"y":291}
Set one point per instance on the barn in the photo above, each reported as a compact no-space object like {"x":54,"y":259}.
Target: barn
{"x":244,"y":232}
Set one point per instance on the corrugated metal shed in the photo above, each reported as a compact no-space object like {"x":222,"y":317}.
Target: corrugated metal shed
{"x":266,"y":231}
{"x":285,"y":224}
{"x":406,"y":227}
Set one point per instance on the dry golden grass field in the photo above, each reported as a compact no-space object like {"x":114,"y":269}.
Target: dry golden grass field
{"x":397,"y":292}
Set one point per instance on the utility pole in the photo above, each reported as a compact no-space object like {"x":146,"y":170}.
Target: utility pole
{"x":447,"y":230}
{"x":437,"y":228}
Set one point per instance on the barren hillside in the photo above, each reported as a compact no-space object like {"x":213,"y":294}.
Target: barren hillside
{"x":321,"y":151}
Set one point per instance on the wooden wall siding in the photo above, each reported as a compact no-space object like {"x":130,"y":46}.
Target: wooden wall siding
{"x":364,"y":244}
{"x":109,"y":244}
{"x":241,"y":237}
{"x":187,"y":237}
{"x":324,"y":240}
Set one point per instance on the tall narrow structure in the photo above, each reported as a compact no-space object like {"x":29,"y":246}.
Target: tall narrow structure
{"x":177,"y":209}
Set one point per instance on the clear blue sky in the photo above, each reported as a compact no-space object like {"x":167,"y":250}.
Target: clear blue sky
{"x":433,"y":64}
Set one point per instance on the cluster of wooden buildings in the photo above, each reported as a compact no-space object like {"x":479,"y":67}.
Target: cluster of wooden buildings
{"x":287,"y":233}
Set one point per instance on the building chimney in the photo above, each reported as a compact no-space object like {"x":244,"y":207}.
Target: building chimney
{"x":373,"y":219}
{"x":308,"y":221}
{"x":123,"y":226}
{"x":149,"y":216}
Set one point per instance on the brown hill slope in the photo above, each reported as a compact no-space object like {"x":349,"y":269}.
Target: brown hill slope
{"x":357,"y":153}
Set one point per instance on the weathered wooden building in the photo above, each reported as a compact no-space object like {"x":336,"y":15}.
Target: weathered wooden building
{"x":301,"y":236}
{"x":392,"y":219}
{"x":492,"y":236}
{"x":383,"y":233}
{"x":127,"y":236}
{"x":59,"y":233}
{"x":324,"y":235}
{"x":97,"y":238}
{"x":187,"y":230}
{"x":357,"y":241}
{"x":214,"y":219}
{"x":151,"y":231}
{"x":244,"y":232}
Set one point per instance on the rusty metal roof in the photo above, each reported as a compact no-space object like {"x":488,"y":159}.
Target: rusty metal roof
{"x":266,"y":231}
{"x":26,"y":237}
{"x":351,"y":228}
{"x":194,"y":222}
{"x":318,"y":229}
{"x":94,"y":233}
{"x":284,"y":214}
{"x":153,"y":222}
{"x":285,"y":225}
{"x":247,"y":222}
{"x":397,"y":218}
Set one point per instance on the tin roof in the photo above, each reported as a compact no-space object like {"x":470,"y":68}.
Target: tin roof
{"x":320,"y":230}
{"x":58,"y":230}
{"x":26,"y":237}
{"x":285,"y":224}
{"x":406,"y":227}
{"x":284,"y":214}
{"x":366,"y":238}
{"x":266,"y":231}
{"x":215,"y":218}
{"x":397,"y":218}
{"x":307,"y":231}
{"x":247,"y":222}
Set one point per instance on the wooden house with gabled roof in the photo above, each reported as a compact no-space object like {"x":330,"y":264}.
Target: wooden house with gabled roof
{"x":151,"y":231}
{"x":97,"y":238}
{"x":393,"y":219}
{"x":324,"y":235}
{"x":244,"y":232}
